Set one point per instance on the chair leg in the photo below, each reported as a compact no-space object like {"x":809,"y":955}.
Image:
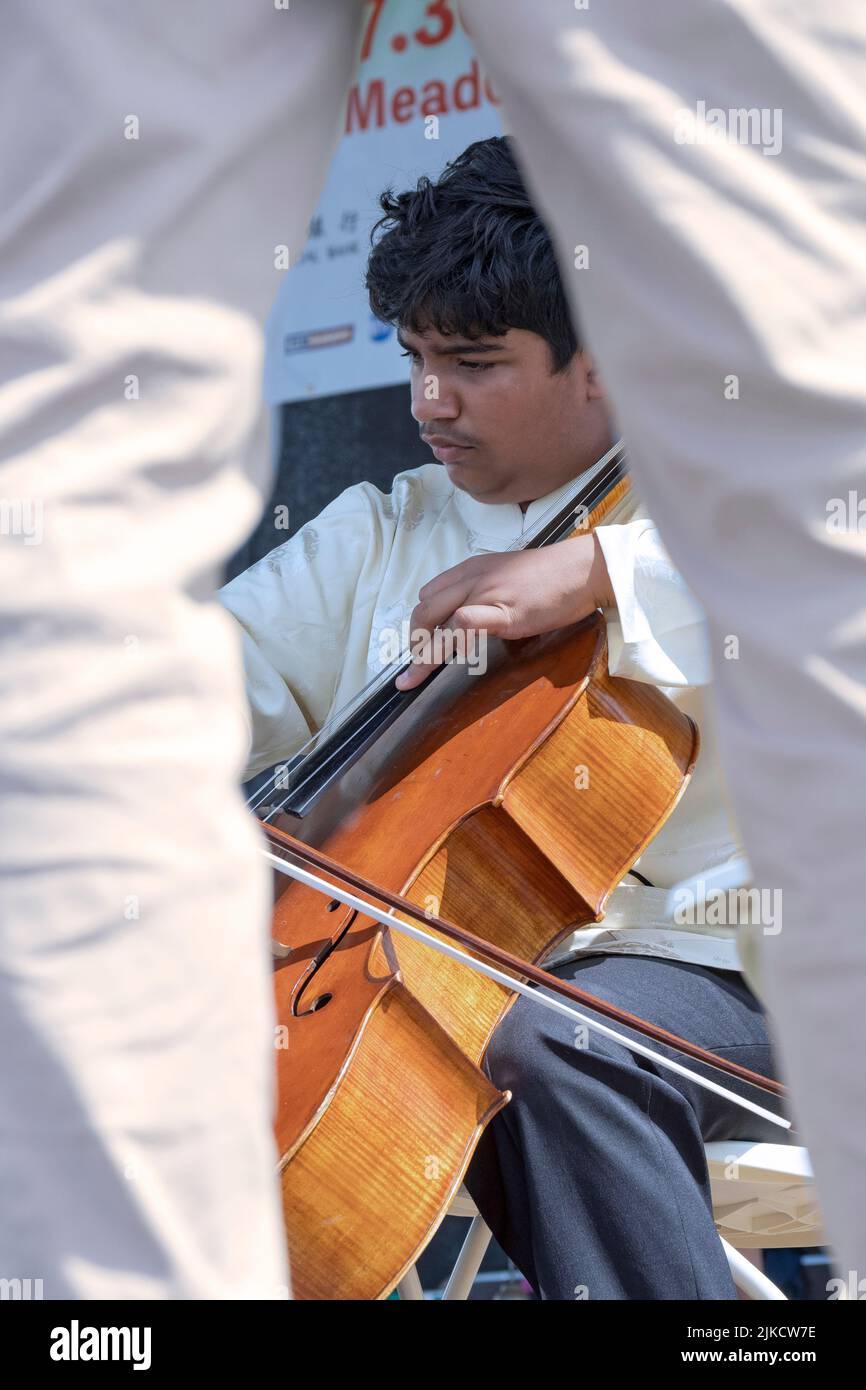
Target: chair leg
{"x":748,"y":1279}
{"x":409,"y":1287}
{"x":468,"y":1261}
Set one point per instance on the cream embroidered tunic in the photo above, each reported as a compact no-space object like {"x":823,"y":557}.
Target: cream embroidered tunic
{"x":319,"y":616}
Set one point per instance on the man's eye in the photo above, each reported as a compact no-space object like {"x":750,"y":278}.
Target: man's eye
{"x":477,"y":366}
{"x":416,"y":357}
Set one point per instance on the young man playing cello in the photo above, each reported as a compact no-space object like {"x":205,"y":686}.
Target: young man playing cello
{"x":593,"y":1178}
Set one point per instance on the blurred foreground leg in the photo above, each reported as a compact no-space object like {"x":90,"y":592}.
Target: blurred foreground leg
{"x":702,"y":167}
{"x":160,"y":158}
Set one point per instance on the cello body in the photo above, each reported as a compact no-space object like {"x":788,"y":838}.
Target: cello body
{"x":511,"y":803}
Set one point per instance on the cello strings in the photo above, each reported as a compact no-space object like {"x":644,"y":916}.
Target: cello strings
{"x":389,"y":919}
{"x":595,"y":476}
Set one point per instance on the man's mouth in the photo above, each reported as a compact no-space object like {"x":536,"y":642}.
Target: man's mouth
{"x":446,"y":450}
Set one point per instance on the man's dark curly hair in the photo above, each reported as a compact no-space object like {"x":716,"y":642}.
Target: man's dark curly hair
{"x":469,"y":255}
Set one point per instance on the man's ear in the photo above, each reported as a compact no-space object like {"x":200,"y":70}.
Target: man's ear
{"x":594,"y":389}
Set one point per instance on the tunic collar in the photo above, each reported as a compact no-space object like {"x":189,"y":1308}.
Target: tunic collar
{"x":495,"y":525}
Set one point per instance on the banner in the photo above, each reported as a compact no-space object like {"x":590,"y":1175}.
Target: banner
{"x":419,"y":98}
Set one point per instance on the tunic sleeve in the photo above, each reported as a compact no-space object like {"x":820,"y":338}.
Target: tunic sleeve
{"x":657,"y":632}
{"x":294,"y":609}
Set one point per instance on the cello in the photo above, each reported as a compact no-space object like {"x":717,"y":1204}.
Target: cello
{"x":510,"y":803}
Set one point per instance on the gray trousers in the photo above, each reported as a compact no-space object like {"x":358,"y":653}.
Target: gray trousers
{"x":593,"y":1179}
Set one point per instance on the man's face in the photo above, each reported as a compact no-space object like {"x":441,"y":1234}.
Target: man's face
{"x":506,"y":427}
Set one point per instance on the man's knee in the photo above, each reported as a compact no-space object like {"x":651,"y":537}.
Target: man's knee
{"x":514,"y":1045}
{"x":536,"y":1050}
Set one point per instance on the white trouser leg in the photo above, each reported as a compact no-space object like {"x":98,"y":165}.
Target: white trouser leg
{"x":160,"y":157}
{"x":721,"y":285}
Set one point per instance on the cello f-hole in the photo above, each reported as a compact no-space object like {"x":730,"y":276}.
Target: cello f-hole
{"x":318,"y":1003}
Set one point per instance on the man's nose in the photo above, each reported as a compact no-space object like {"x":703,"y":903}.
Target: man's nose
{"x":432,"y":399}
